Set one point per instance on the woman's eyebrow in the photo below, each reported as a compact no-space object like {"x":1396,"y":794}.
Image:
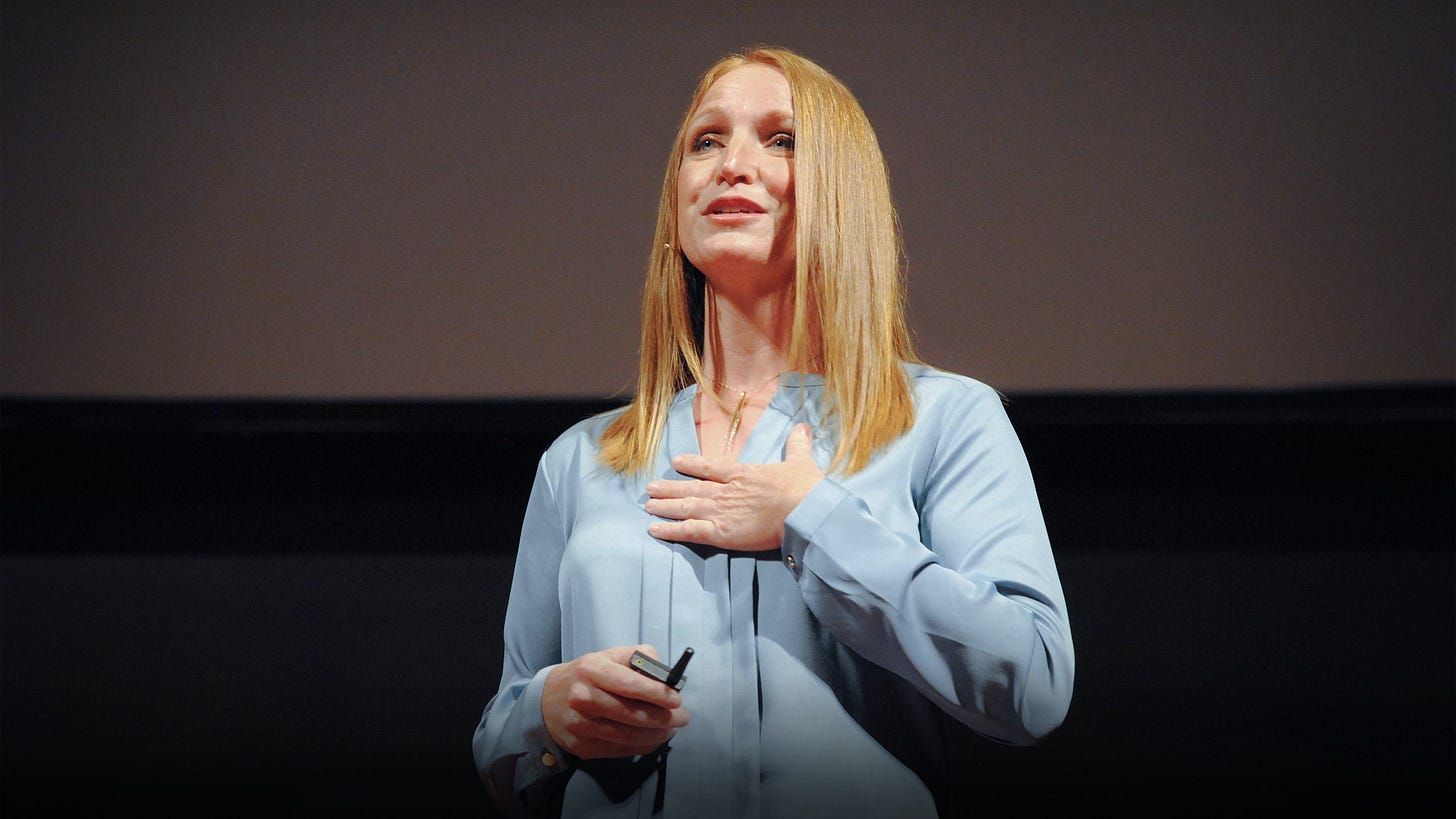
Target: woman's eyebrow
{"x":711,"y":112}
{"x":706,"y":113}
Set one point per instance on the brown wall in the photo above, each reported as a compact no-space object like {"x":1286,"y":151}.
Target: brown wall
{"x":331,"y":199}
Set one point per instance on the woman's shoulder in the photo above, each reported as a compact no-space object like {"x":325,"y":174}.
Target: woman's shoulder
{"x":582,"y":438}
{"x":951,"y":407}
{"x":933,"y":387}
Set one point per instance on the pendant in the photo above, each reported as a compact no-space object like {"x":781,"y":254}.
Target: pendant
{"x":733,"y":425}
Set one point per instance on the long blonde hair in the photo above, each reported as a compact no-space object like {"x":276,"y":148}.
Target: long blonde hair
{"x":849,"y":305}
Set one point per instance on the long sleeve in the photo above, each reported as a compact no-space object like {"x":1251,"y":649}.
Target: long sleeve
{"x":514,"y":754}
{"x":970,"y":612}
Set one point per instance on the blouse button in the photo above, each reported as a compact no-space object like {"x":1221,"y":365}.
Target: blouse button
{"x":548,"y":759}
{"x":793,"y":564}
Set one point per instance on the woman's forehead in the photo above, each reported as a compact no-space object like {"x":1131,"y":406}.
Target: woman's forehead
{"x":750,"y":86}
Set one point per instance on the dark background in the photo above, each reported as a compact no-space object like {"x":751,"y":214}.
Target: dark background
{"x":292,"y":296}
{"x":261,"y":608}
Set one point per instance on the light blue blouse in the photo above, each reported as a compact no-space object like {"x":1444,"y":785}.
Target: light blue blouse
{"x":909,"y":601}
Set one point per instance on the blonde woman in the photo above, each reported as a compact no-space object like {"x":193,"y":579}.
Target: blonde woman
{"x":848,"y":539}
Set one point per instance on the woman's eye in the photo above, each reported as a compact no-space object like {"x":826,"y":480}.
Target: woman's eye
{"x":703,"y":142}
{"x":784,"y":142}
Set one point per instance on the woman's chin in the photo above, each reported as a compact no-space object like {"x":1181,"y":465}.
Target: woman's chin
{"x":739,"y":261}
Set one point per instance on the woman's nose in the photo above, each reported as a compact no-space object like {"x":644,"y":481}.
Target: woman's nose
{"x":737,"y":164}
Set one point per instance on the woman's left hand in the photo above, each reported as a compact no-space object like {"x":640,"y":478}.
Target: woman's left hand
{"x":733,"y":505}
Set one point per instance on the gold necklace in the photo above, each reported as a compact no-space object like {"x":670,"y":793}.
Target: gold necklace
{"x":732,"y":432}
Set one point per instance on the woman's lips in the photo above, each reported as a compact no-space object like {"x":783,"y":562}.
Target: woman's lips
{"x":733,"y":218}
{"x":732,"y":210}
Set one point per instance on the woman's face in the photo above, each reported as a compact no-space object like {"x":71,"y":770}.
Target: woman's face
{"x":735,"y":187}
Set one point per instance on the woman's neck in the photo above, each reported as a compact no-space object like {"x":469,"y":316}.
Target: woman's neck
{"x":746,"y":341}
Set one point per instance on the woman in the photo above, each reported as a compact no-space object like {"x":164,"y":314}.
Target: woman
{"x":848,"y":539}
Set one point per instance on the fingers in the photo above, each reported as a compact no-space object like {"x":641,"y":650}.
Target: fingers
{"x":716,"y":470}
{"x":692,"y":517}
{"x":584,"y":733}
{"x":680,"y":489}
{"x":732,"y":505}
{"x":800,"y":446}
{"x":687,"y":531}
{"x":597,"y":706}
{"x":680,"y":508}
{"x":623,"y":719}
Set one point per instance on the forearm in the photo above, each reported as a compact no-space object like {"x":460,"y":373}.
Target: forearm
{"x":514,"y":753}
{"x":985,"y":639}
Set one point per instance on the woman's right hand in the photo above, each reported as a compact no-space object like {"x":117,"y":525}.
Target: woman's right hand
{"x":597,"y":707}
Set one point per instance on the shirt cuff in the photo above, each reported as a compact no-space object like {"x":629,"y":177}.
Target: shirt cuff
{"x":543,"y":757}
{"x":805,"y":520}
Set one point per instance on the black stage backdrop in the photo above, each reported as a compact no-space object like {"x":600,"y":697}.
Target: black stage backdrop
{"x":294,"y":608}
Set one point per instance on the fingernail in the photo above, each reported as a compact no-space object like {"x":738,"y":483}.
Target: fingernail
{"x":653,"y":487}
